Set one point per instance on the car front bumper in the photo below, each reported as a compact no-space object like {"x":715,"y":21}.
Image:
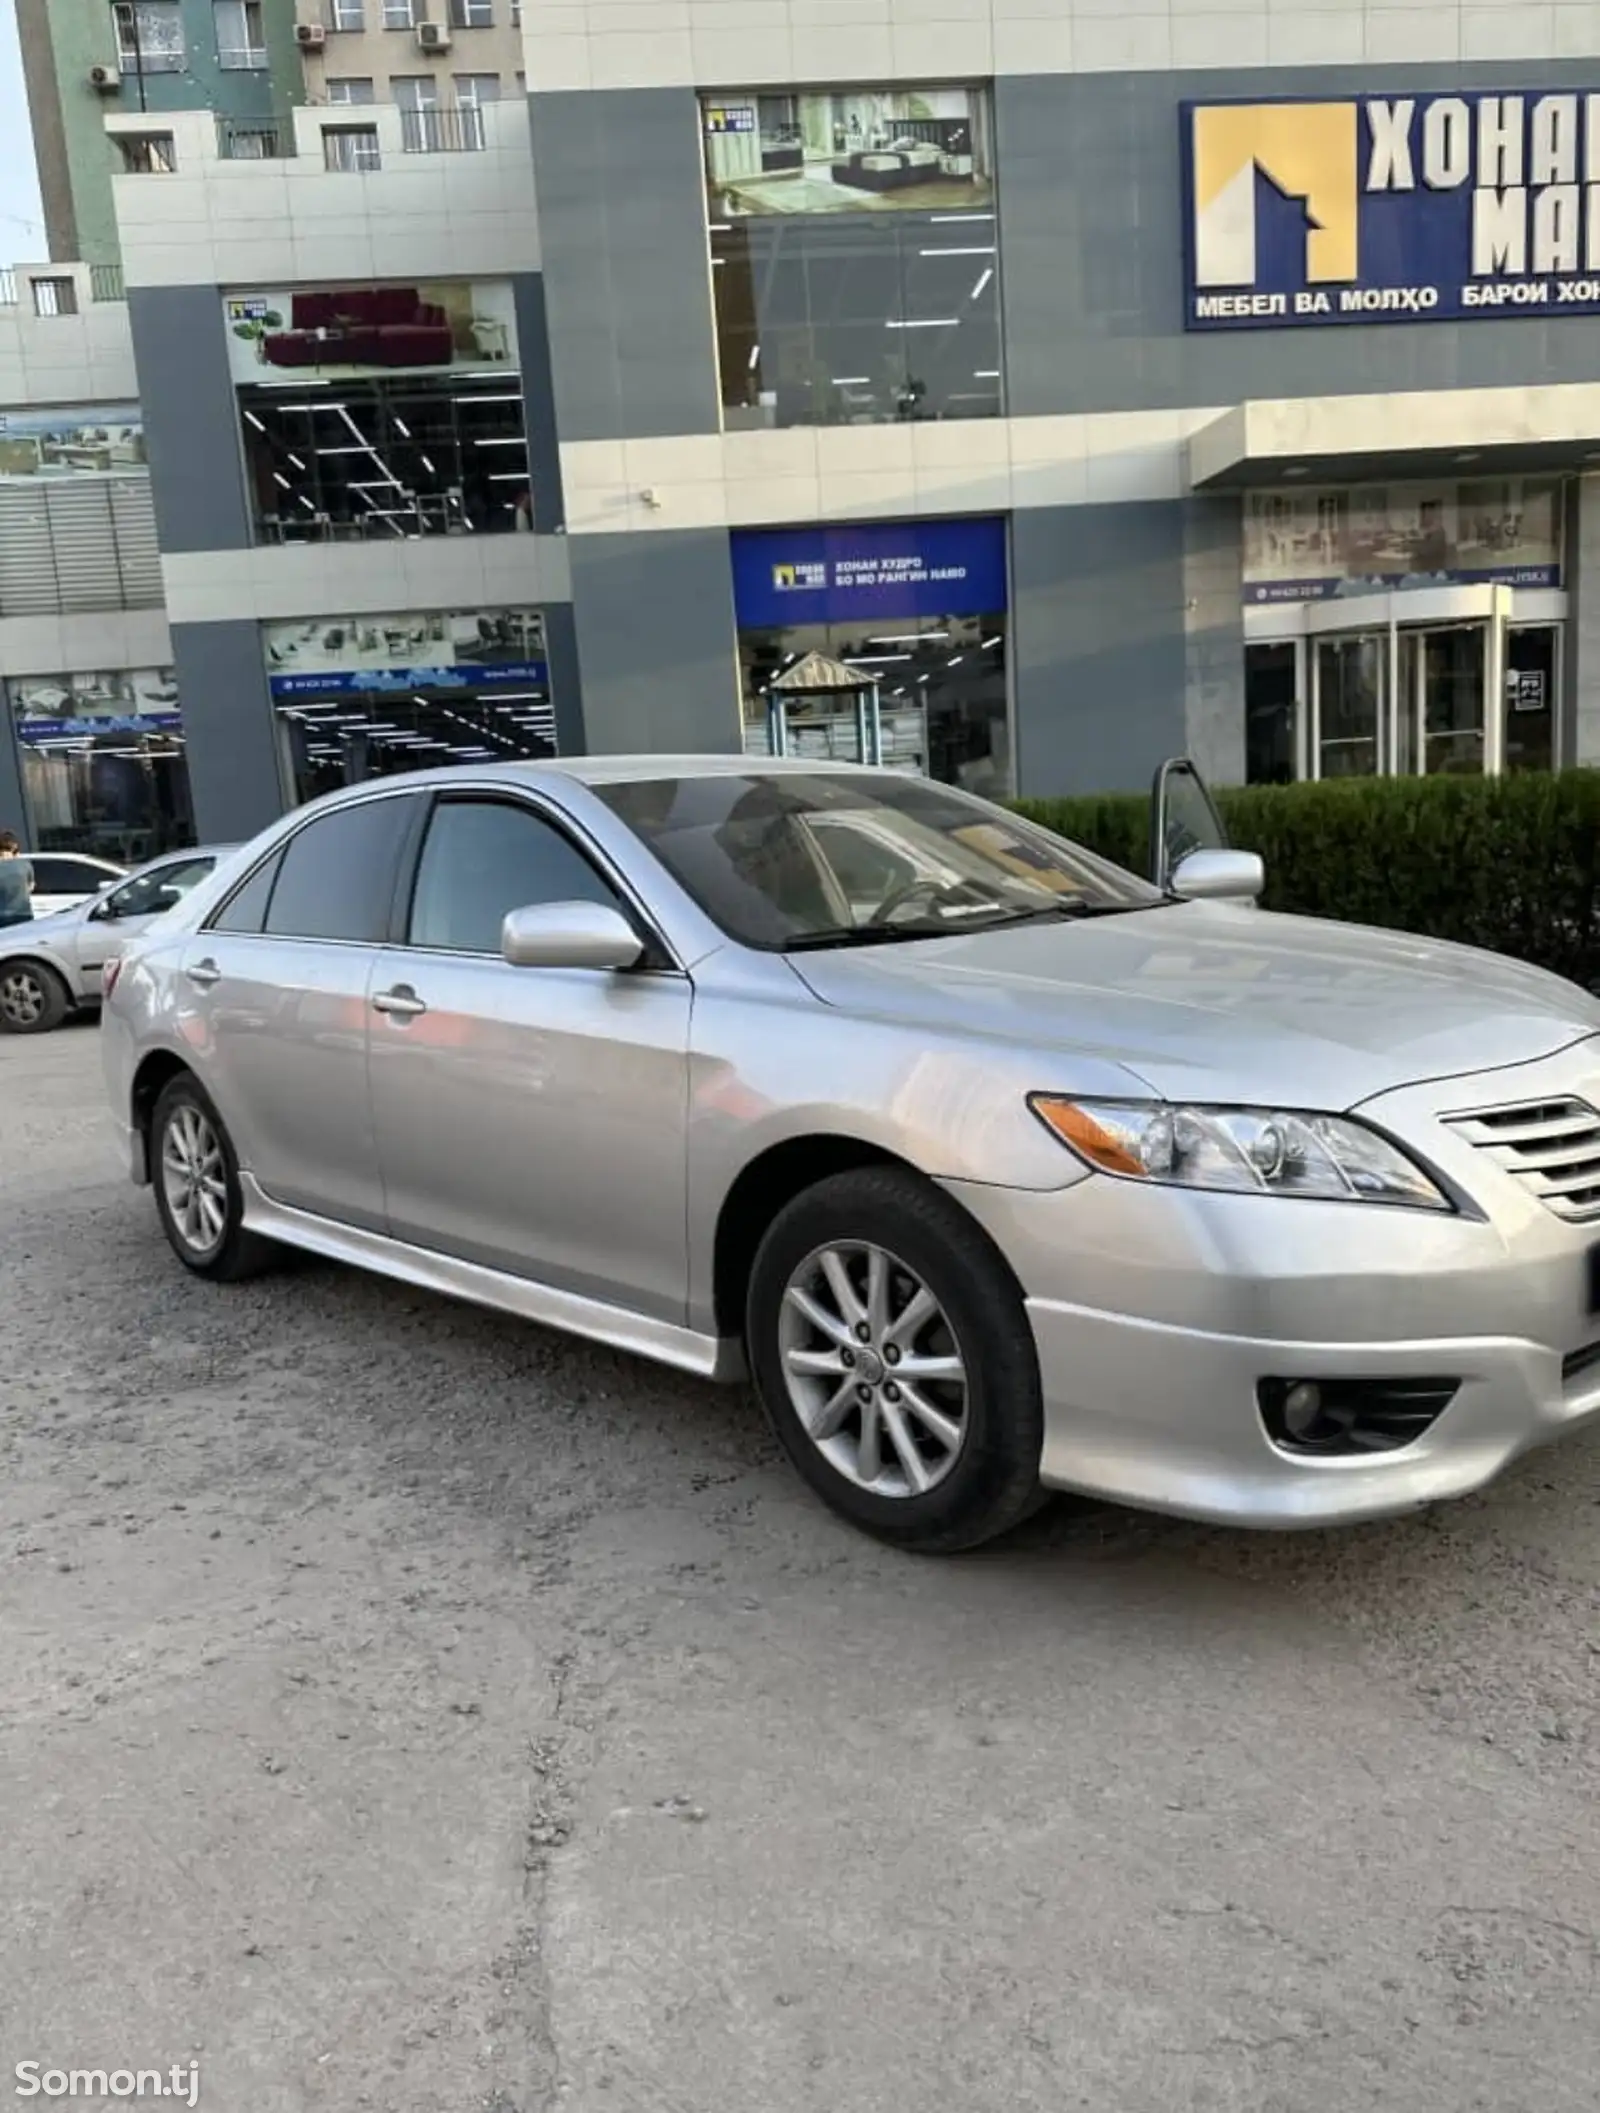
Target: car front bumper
{"x":1157,"y":1311}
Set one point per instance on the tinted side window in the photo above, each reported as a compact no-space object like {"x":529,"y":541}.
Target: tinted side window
{"x":246,"y":908}
{"x":484,"y":858}
{"x":336,"y":878}
{"x":148,"y":893}
{"x":65,"y":876}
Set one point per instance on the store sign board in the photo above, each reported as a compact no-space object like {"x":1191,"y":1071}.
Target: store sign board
{"x":84,"y":708}
{"x":1325,"y":545}
{"x":1391,"y":209}
{"x":460,"y":675}
{"x":878,"y":571}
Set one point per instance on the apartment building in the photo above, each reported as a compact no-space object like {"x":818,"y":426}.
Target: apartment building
{"x":85,"y":59}
{"x":428,"y":57}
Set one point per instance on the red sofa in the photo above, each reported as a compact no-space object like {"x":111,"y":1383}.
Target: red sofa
{"x":366,"y":326}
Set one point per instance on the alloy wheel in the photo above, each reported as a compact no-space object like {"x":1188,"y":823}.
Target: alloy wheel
{"x":23,"y":997}
{"x":194,"y":1178}
{"x":873,"y":1368}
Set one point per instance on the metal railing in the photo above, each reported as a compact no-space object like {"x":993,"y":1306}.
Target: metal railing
{"x":449,"y":129}
{"x":255,"y":139}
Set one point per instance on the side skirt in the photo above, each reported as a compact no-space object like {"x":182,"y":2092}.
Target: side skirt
{"x":707,"y":1356}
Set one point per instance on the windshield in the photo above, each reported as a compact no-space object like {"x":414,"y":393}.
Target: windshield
{"x":793,"y":860}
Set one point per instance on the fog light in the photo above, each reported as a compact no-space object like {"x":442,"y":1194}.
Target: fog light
{"x":1342,"y":1417}
{"x":1302,"y":1411}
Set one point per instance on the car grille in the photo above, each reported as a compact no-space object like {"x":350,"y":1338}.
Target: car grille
{"x":1552,"y":1147}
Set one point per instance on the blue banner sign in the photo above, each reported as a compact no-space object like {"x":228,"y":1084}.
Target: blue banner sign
{"x":1391,"y":209}
{"x":874,"y":571}
{"x":94,"y":727}
{"x":464,"y":675}
{"x":1330,"y":590}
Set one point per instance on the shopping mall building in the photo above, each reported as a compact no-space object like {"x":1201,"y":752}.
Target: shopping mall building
{"x":1093,"y":382}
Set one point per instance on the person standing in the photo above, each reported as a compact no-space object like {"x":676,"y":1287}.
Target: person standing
{"x":16,"y":882}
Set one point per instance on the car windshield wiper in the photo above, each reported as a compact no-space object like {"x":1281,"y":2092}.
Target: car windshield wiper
{"x":862,"y":935}
{"x":886,"y":934}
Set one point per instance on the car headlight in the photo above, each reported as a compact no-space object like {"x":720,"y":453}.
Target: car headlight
{"x":1251,"y":1151}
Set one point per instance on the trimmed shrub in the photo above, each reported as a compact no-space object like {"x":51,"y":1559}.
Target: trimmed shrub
{"x":1511,"y":863}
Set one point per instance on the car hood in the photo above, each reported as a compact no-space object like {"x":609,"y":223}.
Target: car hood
{"x":1213,"y":1001}
{"x":49,"y":931}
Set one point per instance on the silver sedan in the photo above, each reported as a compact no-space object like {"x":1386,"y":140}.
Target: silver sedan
{"x":52,"y":966}
{"x":998,"y":1168}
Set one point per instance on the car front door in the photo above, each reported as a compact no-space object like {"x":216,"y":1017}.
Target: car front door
{"x":533,"y":1120}
{"x":124,"y":913}
{"x":275,"y":990}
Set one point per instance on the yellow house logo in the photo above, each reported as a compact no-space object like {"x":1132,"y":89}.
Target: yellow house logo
{"x":1310,"y":151}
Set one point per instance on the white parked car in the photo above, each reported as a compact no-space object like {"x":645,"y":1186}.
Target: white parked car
{"x":64,"y":879}
{"x":52,"y":966}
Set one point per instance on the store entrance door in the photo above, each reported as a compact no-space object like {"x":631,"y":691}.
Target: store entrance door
{"x":1351,"y":704}
{"x":1532,"y":665}
{"x":1442,"y":722}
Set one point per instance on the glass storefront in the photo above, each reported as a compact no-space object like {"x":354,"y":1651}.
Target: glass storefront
{"x":854,"y":256}
{"x":103,"y":763}
{"x":917,"y":611}
{"x":381,"y":411}
{"x":373,"y":696}
{"x":1416,"y":633}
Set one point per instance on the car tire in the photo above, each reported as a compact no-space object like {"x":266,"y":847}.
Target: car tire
{"x":33,"y":998}
{"x":948,"y":1462}
{"x":199,"y":1198}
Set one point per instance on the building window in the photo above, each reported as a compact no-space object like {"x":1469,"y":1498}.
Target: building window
{"x":473,"y":90}
{"x":472,"y":14}
{"x":393,"y":458}
{"x":150,"y":36}
{"x":351,"y":149}
{"x":348,"y":15}
{"x":103,"y":763}
{"x":146,"y":153}
{"x":399,"y":14}
{"x":349,"y":88}
{"x":361,"y":697}
{"x":387,"y":411}
{"x":914,"y":611}
{"x":854,"y":256}
{"x":241,"y":37}
{"x":54,"y":296}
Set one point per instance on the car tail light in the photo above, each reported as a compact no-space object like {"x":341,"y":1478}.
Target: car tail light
{"x":109,"y":975}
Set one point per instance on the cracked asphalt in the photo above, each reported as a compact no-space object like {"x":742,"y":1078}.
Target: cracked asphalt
{"x":404,"y":1708}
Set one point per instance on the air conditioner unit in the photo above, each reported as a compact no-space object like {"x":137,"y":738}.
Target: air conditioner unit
{"x":310,"y":36}
{"x":432,"y":36}
{"x":105,"y":80}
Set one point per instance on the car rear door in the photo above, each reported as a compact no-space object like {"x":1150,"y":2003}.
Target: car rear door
{"x":274,"y":994}
{"x":531,"y":1120}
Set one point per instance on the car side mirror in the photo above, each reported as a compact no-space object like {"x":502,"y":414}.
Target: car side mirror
{"x":1219,"y":876}
{"x":570,"y":935}
{"x":104,"y":911}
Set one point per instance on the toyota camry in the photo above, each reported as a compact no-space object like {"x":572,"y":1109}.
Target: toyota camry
{"x":997,"y":1168}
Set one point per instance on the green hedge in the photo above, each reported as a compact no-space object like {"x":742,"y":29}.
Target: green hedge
{"x":1506,"y":863}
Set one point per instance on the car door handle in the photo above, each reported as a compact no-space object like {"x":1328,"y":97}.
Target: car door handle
{"x":203,"y":974}
{"x":401,"y":1003}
